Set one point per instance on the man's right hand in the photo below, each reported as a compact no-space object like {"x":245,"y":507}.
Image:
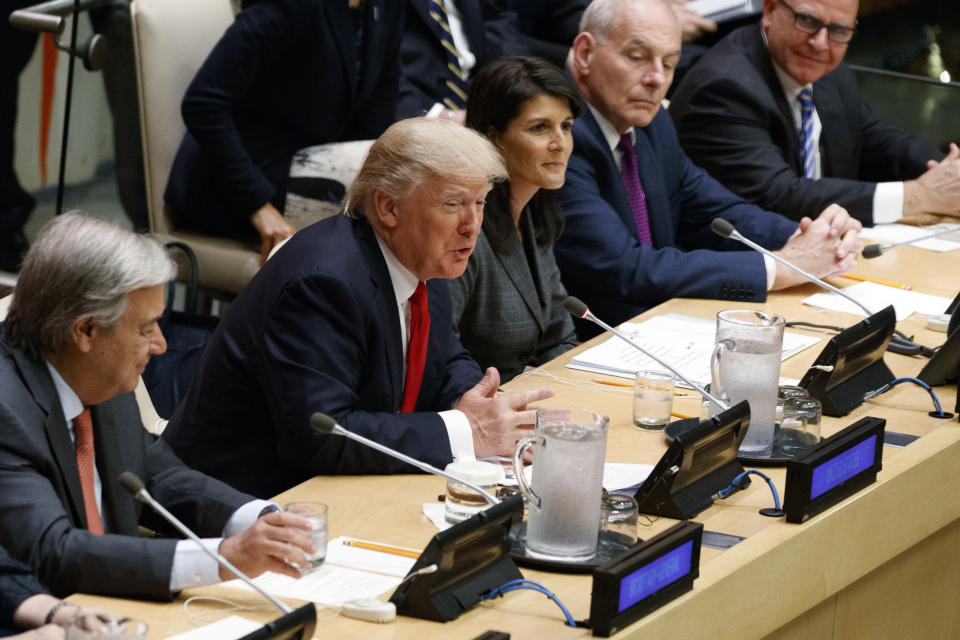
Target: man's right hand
{"x":499,"y":420}
{"x":272,"y":543}
{"x":937,"y":191}
{"x":824,"y":247}
{"x":272,"y":227}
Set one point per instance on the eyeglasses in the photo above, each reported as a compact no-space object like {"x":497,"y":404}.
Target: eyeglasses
{"x":811,"y":25}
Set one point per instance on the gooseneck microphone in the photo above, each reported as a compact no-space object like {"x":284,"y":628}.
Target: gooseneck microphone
{"x":874,"y":250}
{"x":578,"y":309}
{"x":134,"y":485}
{"x":324,"y":424}
{"x":726,"y":230}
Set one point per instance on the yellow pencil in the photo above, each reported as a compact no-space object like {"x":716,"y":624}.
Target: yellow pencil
{"x":383,"y":548}
{"x":854,"y":276}
{"x":629,"y":385}
{"x":682,"y":416}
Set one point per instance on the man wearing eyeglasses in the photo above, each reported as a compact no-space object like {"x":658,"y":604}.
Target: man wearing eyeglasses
{"x":774,"y":114}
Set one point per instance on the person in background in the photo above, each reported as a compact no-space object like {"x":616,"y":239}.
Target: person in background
{"x":774,"y":114}
{"x":508,"y":304}
{"x":286,"y":75}
{"x":638,"y":211}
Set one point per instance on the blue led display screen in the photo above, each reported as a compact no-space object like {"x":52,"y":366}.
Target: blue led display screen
{"x":649,"y":579}
{"x":843,"y":467}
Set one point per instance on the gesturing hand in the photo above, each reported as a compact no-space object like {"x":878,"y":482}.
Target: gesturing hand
{"x":499,"y":420}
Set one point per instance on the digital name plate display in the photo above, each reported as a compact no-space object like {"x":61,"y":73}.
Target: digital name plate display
{"x":645,"y":578}
{"x":842,"y":465}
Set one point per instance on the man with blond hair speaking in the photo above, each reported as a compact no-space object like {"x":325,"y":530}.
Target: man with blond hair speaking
{"x":352,"y":317}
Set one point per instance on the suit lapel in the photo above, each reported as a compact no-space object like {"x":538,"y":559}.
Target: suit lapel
{"x":650,"y":168}
{"x":833,"y":125}
{"x":515,"y":266}
{"x":760,"y":57}
{"x":615,"y":193}
{"x":386,"y":307}
{"x":117,"y":505}
{"x":38,"y":381}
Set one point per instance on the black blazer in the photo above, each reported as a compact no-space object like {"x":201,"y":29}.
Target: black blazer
{"x":42,"y":519}
{"x":317,"y":329}
{"x":283,"y":77}
{"x":17,"y":583}
{"x":733,"y":119}
{"x":491,"y":31}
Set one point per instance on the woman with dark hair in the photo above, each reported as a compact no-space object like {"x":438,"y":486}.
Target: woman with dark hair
{"x":508,"y":304}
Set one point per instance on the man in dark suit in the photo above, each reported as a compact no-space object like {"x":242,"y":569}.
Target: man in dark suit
{"x":766,"y":95}
{"x":330,"y":324}
{"x":286,"y":75}
{"x":80,"y":330}
{"x":638,"y":211}
{"x":476,"y":31}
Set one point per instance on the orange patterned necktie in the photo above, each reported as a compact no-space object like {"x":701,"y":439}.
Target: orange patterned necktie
{"x":417,"y":351}
{"x":83,"y":428}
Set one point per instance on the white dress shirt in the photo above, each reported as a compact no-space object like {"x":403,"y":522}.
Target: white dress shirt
{"x":191,"y":566}
{"x":613,"y":139}
{"x":404,"y":284}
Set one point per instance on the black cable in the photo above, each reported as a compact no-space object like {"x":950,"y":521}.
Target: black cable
{"x":66,"y":107}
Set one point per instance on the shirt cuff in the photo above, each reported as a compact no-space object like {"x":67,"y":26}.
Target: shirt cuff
{"x":460,"y":434}
{"x":771,"y":266}
{"x":192,"y":567}
{"x":435,"y":110}
{"x":244,"y":517}
{"x":887,"y":202}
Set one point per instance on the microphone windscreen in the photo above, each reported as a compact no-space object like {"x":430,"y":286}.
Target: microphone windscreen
{"x":575,"y":307}
{"x":130,"y":482}
{"x":322,"y":422}
{"x":721,"y":227}
{"x":871,"y":251}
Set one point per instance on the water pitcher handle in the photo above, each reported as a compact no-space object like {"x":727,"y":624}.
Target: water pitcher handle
{"x":716,"y":385}
{"x":531,"y":498}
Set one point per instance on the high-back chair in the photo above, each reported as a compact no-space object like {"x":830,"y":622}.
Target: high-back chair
{"x":171,"y":39}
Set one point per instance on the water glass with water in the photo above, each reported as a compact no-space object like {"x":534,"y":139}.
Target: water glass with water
{"x":800,"y":428}
{"x":653,"y":399}
{"x":316,"y":513}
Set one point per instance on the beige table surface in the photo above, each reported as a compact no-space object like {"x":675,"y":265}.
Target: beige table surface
{"x":882,"y":564}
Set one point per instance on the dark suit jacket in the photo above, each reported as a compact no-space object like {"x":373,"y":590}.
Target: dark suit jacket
{"x":317,"y":329}
{"x":491,"y":31}
{"x":17,"y":583}
{"x":733,"y":120}
{"x":600,"y":255}
{"x":509,"y":307}
{"x":42,"y":519}
{"x":283,"y":77}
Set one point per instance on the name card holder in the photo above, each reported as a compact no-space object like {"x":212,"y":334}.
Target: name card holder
{"x":842,"y":465}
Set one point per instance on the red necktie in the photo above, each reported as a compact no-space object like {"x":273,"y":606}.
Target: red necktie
{"x":630,"y":175}
{"x":83,"y":429}
{"x":417,"y":351}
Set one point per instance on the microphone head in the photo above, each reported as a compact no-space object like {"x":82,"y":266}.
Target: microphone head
{"x":131,"y":483}
{"x":323,"y":423}
{"x":721,"y":227}
{"x":575,"y":307}
{"x":871,"y":251}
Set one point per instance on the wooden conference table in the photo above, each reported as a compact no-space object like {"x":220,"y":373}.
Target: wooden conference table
{"x":882,"y":564}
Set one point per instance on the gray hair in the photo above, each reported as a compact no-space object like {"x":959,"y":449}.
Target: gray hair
{"x":601,"y":16}
{"x":80,"y":267}
{"x":411,"y":151}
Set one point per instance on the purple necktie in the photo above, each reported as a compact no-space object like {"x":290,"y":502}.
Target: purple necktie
{"x":631,"y":182}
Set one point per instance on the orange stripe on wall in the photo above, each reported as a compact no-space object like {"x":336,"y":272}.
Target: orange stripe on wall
{"x":50,"y":57}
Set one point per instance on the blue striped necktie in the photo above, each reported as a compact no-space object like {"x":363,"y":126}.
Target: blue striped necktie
{"x":455,"y":96}
{"x":807,"y":152}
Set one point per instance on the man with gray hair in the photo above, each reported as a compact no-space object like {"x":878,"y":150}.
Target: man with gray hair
{"x":638,"y":212}
{"x":352,"y":317}
{"x":80,"y":330}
